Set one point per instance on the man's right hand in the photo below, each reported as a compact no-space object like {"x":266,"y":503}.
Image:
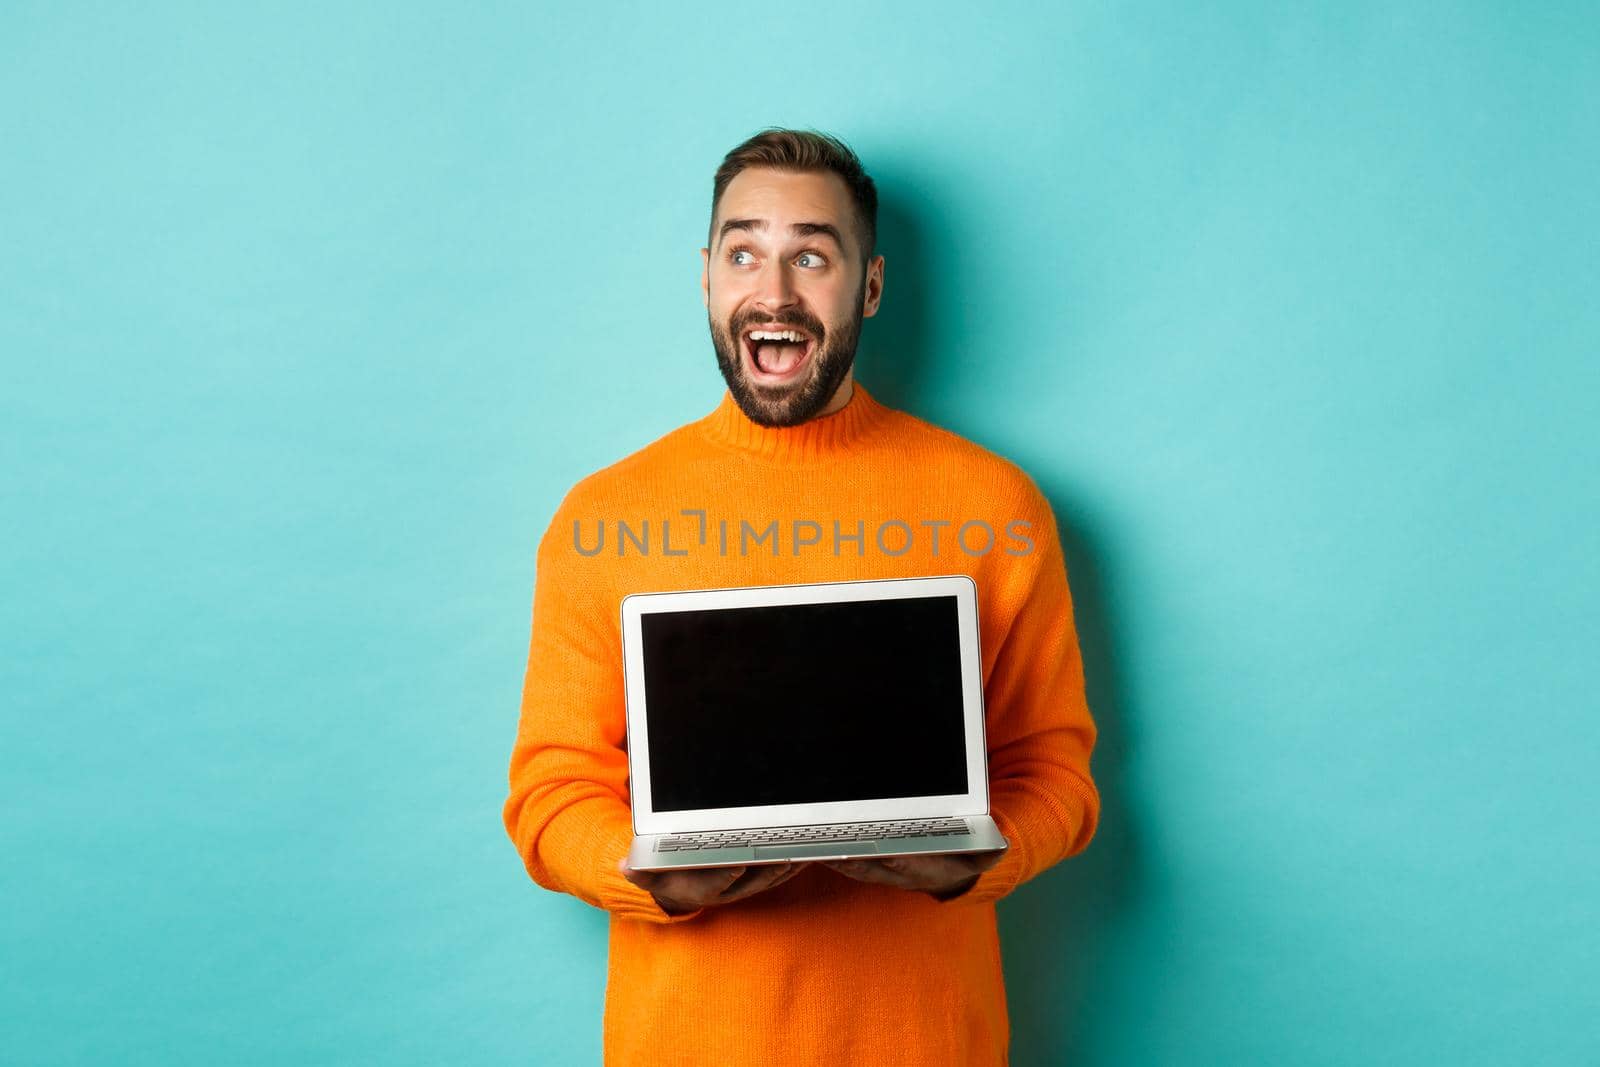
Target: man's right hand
{"x":682,"y":891}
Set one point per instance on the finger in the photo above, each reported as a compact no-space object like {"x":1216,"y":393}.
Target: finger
{"x":642,"y":879}
{"x":761,"y":878}
{"x":712,"y":881}
{"x":876,"y":872}
{"x":786,"y":872}
{"x":696,"y":883}
{"x":909,"y":872}
{"x":794,"y":869}
{"x":747,"y":876}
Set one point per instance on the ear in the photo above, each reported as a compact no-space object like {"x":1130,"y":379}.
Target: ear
{"x":705,"y":277}
{"x":873,"y":289}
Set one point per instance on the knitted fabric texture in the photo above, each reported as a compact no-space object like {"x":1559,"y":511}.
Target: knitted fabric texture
{"x":822,"y":969}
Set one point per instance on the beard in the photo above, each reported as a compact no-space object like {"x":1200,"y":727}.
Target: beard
{"x":788,"y":405}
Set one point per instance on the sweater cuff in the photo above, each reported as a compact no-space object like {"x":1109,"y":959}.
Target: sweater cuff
{"x":618,"y":895}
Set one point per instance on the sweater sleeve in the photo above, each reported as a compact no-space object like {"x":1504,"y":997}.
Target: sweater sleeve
{"x":567,"y":812}
{"x":1039,"y":729}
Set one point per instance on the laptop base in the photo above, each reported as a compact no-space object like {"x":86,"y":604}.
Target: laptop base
{"x":982,"y":836}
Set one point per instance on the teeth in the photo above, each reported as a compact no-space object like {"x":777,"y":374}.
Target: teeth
{"x":776,"y":335}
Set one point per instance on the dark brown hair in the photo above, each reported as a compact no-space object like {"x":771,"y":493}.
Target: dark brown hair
{"x":804,"y":150}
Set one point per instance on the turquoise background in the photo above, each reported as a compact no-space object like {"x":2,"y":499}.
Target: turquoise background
{"x":309,"y":317}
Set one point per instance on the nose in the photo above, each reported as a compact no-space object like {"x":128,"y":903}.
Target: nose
{"x":774,"y":287}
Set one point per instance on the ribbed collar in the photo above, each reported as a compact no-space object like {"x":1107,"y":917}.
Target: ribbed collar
{"x":817,"y":438}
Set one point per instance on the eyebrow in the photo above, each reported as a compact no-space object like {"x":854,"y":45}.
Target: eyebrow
{"x":799,"y":229}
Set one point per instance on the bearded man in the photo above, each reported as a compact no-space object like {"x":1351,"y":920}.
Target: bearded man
{"x":892,"y":961}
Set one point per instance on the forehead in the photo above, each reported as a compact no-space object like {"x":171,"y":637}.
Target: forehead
{"x":782,"y":197}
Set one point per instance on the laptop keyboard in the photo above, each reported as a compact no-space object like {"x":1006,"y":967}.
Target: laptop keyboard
{"x":806,"y":835}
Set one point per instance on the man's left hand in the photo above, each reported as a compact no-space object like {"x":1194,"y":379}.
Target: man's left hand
{"x":942,"y":876}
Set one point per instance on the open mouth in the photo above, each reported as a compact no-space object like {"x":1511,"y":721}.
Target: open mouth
{"x":777,"y":354}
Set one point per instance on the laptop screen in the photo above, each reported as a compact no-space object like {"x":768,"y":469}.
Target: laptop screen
{"x":804,"y":703}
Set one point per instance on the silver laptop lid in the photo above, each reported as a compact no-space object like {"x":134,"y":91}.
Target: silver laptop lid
{"x":794,"y":704}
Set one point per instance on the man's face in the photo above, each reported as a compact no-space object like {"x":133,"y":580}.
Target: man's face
{"x":786,"y":256}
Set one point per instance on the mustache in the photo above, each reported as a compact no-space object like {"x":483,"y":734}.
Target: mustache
{"x":800,"y":322}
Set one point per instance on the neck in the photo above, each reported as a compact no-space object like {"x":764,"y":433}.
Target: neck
{"x":841,"y":395}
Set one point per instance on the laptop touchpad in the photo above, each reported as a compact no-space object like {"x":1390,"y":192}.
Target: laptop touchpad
{"x":823,"y":849}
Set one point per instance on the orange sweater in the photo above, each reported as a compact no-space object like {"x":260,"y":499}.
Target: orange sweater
{"x":822,"y":969}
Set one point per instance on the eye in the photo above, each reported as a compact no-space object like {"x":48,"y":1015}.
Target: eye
{"x":736,"y":253}
{"x":819,"y":261}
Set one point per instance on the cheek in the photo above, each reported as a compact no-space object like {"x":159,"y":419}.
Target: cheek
{"x":837,"y":306}
{"x":723,"y":302}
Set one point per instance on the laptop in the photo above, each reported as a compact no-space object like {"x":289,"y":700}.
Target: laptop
{"x":831,"y":720}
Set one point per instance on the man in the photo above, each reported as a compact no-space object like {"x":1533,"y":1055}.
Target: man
{"x":799,"y":475}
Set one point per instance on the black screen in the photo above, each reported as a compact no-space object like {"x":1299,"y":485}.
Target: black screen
{"x":804,"y":703}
